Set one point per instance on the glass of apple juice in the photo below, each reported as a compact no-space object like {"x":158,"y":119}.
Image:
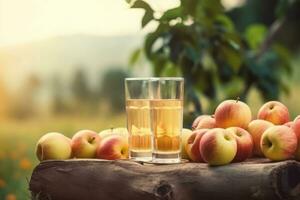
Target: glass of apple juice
{"x":138,"y":118}
{"x":166,"y":113}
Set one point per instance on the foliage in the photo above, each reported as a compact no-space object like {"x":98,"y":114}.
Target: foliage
{"x":199,"y":41}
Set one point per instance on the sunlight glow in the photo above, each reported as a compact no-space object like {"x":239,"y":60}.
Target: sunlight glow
{"x":24,"y":21}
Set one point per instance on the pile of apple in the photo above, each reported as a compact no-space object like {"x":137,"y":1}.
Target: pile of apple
{"x":230,"y":135}
{"x":110,"y":144}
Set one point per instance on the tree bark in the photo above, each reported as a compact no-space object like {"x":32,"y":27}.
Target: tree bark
{"x":127,"y":180}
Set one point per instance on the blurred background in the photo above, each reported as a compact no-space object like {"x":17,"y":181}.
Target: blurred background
{"x":63,"y":64}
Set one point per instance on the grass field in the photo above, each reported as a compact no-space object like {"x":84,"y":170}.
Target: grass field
{"x":17,"y":145}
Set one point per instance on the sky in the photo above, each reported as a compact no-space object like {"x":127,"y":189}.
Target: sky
{"x":23,"y":21}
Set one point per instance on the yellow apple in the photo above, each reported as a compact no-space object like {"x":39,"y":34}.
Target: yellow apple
{"x":53,"y":146}
{"x":184,"y":137}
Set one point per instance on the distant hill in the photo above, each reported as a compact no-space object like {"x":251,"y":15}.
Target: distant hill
{"x":63,"y":54}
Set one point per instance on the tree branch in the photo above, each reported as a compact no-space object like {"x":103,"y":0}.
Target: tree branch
{"x":274,"y":30}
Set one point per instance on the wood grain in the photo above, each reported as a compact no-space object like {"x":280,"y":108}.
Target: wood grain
{"x":127,"y":180}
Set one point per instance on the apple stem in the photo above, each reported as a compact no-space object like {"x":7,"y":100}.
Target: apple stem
{"x":237,"y":99}
{"x":92,"y":139}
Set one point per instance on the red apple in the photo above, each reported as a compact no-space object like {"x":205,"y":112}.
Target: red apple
{"x":275,"y":112}
{"x":204,"y":121}
{"x":192,"y":145}
{"x":256,"y":128}
{"x":218,"y":147}
{"x":233,"y":113}
{"x":244,"y":143}
{"x":113,"y":147}
{"x":296,"y":129}
{"x":84,"y":144}
{"x":279,"y":143}
{"x":289,"y":124}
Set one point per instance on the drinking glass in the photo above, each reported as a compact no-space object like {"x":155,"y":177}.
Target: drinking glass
{"x":166,"y":112}
{"x":138,"y":118}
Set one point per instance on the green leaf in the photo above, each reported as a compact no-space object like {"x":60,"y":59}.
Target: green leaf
{"x":148,"y":16}
{"x":170,"y":70}
{"x":234,"y":88}
{"x":159,"y":64}
{"x":191,"y":53}
{"x":171,"y":14}
{"x":142,"y":4}
{"x":151,"y":38}
{"x":135,"y":57}
{"x":231,"y":57}
{"x":281,"y":8}
{"x":226,"y":22}
{"x":208,"y":62}
{"x":284,"y":56}
{"x":255,"y":35}
{"x":189,"y":7}
{"x":209,"y":9}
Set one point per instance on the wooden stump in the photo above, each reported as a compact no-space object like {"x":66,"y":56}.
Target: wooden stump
{"x":127,"y":180}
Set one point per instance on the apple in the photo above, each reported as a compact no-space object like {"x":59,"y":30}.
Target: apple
{"x":275,"y":112}
{"x":184,"y":138}
{"x":289,"y":124}
{"x":84,"y":144}
{"x":192,"y":146}
{"x":204,"y":121}
{"x":244,"y":143}
{"x":296,"y":128}
{"x":113,"y":147}
{"x":218,"y":147}
{"x":233,"y":113}
{"x":279,"y":143}
{"x":53,"y":146}
{"x":114,"y":131}
{"x":256,"y":128}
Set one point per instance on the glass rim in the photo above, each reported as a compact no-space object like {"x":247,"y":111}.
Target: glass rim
{"x":167,"y":79}
{"x":154,"y":78}
{"x":137,"y":79}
